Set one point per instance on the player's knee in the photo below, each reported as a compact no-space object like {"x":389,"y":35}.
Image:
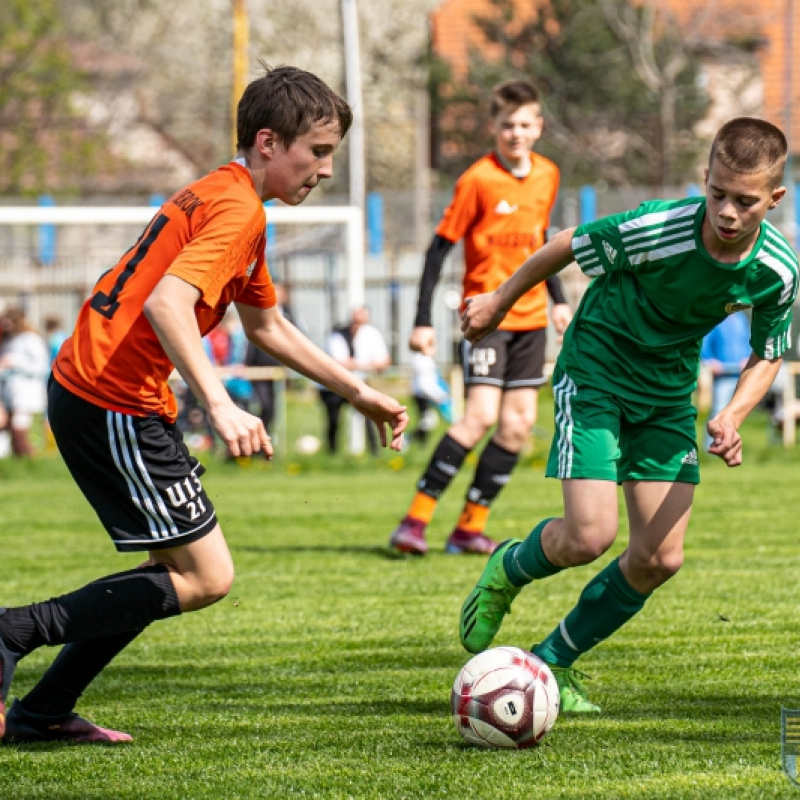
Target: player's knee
{"x":210,"y":587}
{"x":588,"y":543}
{"x":471,"y":428}
{"x":588,"y":550}
{"x":656,"y":570}
{"x":220,"y":585}
{"x":668,"y":564}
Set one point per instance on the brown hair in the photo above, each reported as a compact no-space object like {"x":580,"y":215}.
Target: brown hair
{"x":748,"y":145}
{"x":13,"y":321}
{"x":288,"y":101}
{"x":512,"y":94}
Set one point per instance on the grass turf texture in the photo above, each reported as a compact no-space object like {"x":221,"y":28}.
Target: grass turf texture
{"x":326,"y":672}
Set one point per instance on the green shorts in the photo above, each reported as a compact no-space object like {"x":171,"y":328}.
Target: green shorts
{"x":607,"y":437}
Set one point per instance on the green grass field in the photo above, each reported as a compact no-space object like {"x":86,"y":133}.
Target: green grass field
{"x":326,"y":673}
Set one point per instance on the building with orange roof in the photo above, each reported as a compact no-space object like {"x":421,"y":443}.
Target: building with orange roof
{"x":764,"y":35}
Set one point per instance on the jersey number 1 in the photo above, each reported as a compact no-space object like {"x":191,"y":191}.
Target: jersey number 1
{"x":107,"y":304}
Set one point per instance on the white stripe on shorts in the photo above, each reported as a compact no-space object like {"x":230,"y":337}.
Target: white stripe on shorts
{"x":128,"y":460}
{"x":563,"y":393}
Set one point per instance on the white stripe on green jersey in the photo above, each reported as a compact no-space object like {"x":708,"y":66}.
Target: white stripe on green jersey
{"x":657,"y":292}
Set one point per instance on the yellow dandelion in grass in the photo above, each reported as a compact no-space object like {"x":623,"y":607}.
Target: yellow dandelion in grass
{"x":294,"y":468}
{"x":397,"y":463}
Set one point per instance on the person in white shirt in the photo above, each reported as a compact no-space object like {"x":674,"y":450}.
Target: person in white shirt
{"x":361,"y":348}
{"x":24,"y":367}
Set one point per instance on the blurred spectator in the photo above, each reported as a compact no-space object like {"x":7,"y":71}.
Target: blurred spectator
{"x":54,"y":335}
{"x":724,"y":352}
{"x":239,"y":388}
{"x":24,"y":367}
{"x":361,"y":348}
{"x":264,"y":390}
{"x":431,"y":395}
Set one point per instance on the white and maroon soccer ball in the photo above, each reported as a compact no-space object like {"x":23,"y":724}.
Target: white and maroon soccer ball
{"x":504,"y":697}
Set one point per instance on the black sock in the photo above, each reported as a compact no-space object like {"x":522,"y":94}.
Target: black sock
{"x":117,"y":603}
{"x":492,"y":473}
{"x":74,"y":668}
{"x":445,"y":462}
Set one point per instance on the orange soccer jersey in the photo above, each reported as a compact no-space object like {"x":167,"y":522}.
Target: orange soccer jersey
{"x":502,"y":220}
{"x":212,"y":235}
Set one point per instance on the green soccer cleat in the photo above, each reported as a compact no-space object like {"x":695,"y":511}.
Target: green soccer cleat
{"x":490,"y":600}
{"x":572,"y":692}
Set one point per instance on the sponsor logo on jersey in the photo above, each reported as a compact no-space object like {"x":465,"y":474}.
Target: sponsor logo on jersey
{"x":251,"y":267}
{"x":504,"y":207}
{"x":732,"y":308}
{"x":690,"y":458}
{"x":611,"y":253}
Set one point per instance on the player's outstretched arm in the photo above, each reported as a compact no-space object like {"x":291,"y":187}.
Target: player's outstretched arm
{"x":484,"y":312}
{"x":270,"y":331}
{"x":170,"y":312}
{"x":754,"y":382}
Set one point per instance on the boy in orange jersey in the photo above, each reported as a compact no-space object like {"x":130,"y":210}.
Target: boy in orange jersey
{"x":501,"y":208}
{"x":113,"y":413}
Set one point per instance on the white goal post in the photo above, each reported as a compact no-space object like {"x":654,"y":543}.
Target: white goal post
{"x":350,"y":216}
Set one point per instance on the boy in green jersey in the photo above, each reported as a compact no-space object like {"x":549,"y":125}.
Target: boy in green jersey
{"x":664,"y":276}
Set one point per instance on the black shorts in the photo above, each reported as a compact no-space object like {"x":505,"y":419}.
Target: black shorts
{"x":508,"y":359}
{"x":136,"y":472}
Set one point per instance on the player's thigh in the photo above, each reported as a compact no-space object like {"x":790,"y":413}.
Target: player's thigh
{"x":586,"y":437}
{"x":591,"y":512}
{"x":659,"y":444}
{"x":517,"y":417}
{"x":136,"y":472}
{"x":208,"y":559}
{"x":658,"y":514}
{"x":480,"y":414}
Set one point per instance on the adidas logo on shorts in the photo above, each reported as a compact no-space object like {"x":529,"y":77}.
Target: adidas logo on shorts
{"x":690,"y":458}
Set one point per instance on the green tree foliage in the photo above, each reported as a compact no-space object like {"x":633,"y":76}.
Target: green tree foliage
{"x":44,"y":145}
{"x":619,"y":88}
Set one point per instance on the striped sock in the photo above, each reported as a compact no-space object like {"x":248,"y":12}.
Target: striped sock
{"x":607,"y":602}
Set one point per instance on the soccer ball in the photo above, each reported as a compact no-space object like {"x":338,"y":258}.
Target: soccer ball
{"x":308,"y":445}
{"x":504,"y":697}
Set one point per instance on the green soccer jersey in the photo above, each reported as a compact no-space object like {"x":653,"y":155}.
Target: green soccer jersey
{"x":656,"y":292}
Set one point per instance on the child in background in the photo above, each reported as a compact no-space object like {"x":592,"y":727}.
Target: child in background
{"x":431,"y":394}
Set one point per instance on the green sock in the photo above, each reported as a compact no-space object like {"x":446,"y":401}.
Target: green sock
{"x":607,"y":602}
{"x":526,"y":561}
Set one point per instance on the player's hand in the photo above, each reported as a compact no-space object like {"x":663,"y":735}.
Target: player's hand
{"x":422,"y":340}
{"x":243,"y":433}
{"x":726,"y":443}
{"x":481,"y":315}
{"x":382,"y":410}
{"x":561,"y":314}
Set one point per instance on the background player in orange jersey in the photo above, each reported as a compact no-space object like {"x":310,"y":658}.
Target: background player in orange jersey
{"x":113,"y":413}
{"x":501,"y":208}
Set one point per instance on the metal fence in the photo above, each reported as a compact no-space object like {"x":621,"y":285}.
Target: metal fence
{"x":51,"y":272}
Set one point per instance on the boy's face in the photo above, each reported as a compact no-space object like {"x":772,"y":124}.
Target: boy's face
{"x":515,"y":132}
{"x":736,"y":204}
{"x":294,"y":171}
